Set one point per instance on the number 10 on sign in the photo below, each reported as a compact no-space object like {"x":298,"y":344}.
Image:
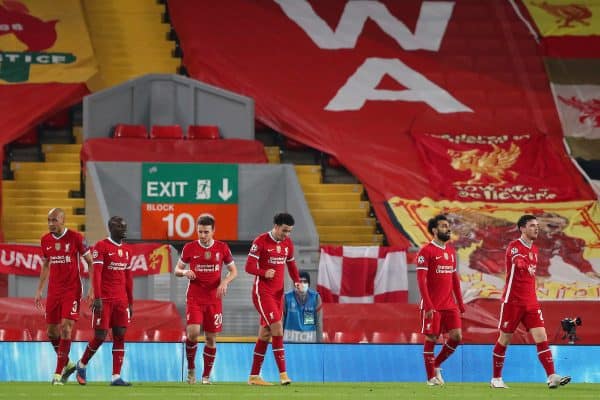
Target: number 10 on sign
{"x":178,"y":221}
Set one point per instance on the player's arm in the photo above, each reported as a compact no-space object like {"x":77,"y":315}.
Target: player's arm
{"x":422,"y":267}
{"x":457,"y":291}
{"x":319,"y":319}
{"x":293,"y":268}
{"x":97,"y":268}
{"x":252,"y":266}
{"x":90,"y":263}
{"x":42,"y":283}
{"x":231,"y":275}
{"x":181,"y":269}
{"x":129,"y":289}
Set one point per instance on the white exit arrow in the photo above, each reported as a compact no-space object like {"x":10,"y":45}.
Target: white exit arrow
{"x":225,"y":193}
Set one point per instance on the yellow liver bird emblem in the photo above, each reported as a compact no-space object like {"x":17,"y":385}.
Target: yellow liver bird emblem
{"x":483,"y":164}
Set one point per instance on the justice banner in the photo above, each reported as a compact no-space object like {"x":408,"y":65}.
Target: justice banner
{"x":147,"y":259}
{"x":518,"y":169}
{"x":44,"y":41}
{"x":568,"y":242}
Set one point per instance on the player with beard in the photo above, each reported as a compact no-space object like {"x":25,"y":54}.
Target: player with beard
{"x":61,"y":250}
{"x":441,"y":298}
{"x":520,"y":304}
{"x":113,"y":299}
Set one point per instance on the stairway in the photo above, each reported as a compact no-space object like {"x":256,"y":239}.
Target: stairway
{"x":129,"y":40}
{"x":340,"y":214}
{"x":38,"y":187}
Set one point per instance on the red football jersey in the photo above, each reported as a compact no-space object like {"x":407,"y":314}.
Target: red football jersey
{"x":112,"y":270}
{"x":207,"y":263}
{"x":272,"y":254}
{"x":440,"y":264}
{"x":63,"y":254}
{"x":521,"y":262}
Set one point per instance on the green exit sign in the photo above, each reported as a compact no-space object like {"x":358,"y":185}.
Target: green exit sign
{"x":189,"y":183}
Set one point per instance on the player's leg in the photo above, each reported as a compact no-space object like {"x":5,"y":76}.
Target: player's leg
{"x":100,"y":323}
{"x":69,"y":313}
{"x":262,"y":341}
{"x":213,"y":323}
{"x":53,"y":318}
{"x":450,"y":322}
{"x":431,"y":328}
{"x":119,"y":322}
{"x":193,"y":320}
{"x":510,"y":317}
{"x":534,"y":322}
{"x":279,"y":351}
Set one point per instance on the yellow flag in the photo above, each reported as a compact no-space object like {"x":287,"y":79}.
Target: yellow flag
{"x":44,"y":41}
{"x":565,"y":17}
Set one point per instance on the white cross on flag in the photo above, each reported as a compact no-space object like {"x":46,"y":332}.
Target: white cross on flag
{"x":363,"y":274}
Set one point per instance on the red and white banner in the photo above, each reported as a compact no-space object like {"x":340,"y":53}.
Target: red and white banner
{"x":147,"y":259}
{"x":579,"y":108}
{"x":508,"y":169}
{"x":363,"y":274}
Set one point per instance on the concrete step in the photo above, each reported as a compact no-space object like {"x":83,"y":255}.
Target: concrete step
{"x":311,"y":179}
{"x":332,"y":188}
{"x":45,"y":166}
{"x":339,"y":214}
{"x":17,"y":217}
{"x":307,"y":169}
{"x":61,"y":148}
{"x":63,"y":158}
{"x":13,"y":193}
{"x":333,"y":219}
{"x":43,"y":210}
{"x":329,"y":205}
{"x":48,"y":176}
{"x":42,"y":201}
{"x":333,"y":197}
{"x":344,"y":230}
{"x":41,"y":185}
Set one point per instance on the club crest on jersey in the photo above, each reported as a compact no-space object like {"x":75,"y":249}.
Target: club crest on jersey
{"x":278,"y":248}
{"x":57,"y":246}
{"x":120,"y":252}
{"x":207,"y":255}
{"x":445,"y":256}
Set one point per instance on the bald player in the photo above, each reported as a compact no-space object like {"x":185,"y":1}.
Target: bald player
{"x":61,"y":250}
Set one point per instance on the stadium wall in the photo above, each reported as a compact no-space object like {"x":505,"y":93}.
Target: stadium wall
{"x":165,"y":362}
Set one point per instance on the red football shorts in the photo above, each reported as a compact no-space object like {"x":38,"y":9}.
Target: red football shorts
{"x":64,"y":307}
{"x":269,"y":308}
{"x":115,"y":313}
{"x":513,"y":314}
{"x":441,"y":322}
{"x":210,"y":316}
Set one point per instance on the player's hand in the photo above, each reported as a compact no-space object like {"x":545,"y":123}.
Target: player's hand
{"x":429,"y":314}
{"x":191,"y":275}
{"x":270,"y":273}
{"x":130,"y":311}
{"x":38,"y":300}
{"x":97,"y":306}
{"x":222,"y":290}
{"x":461,"y":308}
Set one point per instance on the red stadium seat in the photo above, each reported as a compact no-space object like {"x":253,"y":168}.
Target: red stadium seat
{"x":349,"y":337}
{"x":166,"y":132}
{"x":29,"y":137}
{"x":166,"y":335}
{"x":61,"y":119}
{"x":389,"y":337}
{"x":333,"y":162}
{"x":136,"y":335}
{"x":291,"y":144}
{"x":130,"y":131}
{"x":203,"y":132}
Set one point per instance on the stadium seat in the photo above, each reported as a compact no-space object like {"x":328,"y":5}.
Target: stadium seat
{"x":349,"y":337}
{"x":166,"y":132}
{"x":333,"y":162}
{"x":28,"y":138}
{"x":130,"y":131}
{"x":389,"y":337}
{"x":203,"y":132}
{"x":291,"y":144}
{"x":166,"y":335}
{"x":136,"y":335}
{"x":61,"y":119}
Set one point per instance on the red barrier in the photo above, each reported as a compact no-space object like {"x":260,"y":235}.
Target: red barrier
{"x":153,"y":321}
{"x":400,"y":323}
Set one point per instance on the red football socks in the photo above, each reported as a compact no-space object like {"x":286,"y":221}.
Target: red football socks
{"x":545,"y":357}
{"x":446,"y":351}
{"x":90,"y":350}
{"x":190,"y":353}
{"x":428,"y":347}
{"x":118,"y":353}
{"x":62,"y":356}
{"x":259,"y":356}
{"x":498,"y":359}
{"x":209,"y":359}
{"x":279,"y":352}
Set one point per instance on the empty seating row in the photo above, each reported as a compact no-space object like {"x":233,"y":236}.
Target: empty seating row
{"x":195,"y":132}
